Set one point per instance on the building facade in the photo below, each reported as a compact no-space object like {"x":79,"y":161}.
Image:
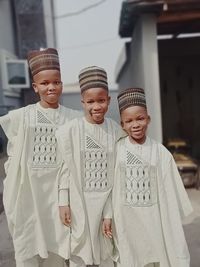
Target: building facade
{"x":163,"y":57}
{"x":24,"y":25}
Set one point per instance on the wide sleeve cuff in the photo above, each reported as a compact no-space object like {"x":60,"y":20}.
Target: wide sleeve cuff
{"x":63,"y":197}
{"x":107,"y":211}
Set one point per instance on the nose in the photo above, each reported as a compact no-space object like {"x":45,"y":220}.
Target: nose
{"x":135,"y":124}
{"x":96,"y":106}
{"x":52,"y":87}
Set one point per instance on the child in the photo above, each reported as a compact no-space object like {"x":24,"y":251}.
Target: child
{"x":88,"y":149}
{"x":30,"y":188}
{"x":149,"y":199}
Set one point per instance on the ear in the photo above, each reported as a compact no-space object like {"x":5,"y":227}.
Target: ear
{"x":82,"y":102}
{"x":149,"y":119}
{"x":109,"y":98}
{"x":35,"y":87}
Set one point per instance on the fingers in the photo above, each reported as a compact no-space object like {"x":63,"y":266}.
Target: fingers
{"x":108,"y":233}
{"x":65,"y":215}
{"x":67,"y":219}
{"x":107,"y":228}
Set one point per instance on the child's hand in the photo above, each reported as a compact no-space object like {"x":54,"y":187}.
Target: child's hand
{"x":107,"y":228}
{"x":65,"y":215}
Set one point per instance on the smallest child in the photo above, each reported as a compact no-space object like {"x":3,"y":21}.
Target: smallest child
{"x":149,"y":199}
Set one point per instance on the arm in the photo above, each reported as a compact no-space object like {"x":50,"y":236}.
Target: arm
{"x":63,"y":195}
{"x":107,"y":218}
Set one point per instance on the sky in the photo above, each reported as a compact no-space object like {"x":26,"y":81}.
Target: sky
{"x":87,"y":38}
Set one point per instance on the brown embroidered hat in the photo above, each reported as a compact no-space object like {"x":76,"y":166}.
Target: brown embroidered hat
{"x":46,"y":59}
{"x":131,"y":97}
{"x":93,"y":77}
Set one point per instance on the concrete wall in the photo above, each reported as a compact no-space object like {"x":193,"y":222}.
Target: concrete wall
{"x":25,"y":25}
{"x":7,"y":43}
{"x":6,"y":27}
{"x":141,"y":70}
{"x":49,"y":23}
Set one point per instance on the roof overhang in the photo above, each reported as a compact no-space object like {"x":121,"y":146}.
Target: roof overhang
{"x":173,"y":16}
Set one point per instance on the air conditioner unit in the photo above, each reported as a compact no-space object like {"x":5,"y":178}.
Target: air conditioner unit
{"x":14,"y":72}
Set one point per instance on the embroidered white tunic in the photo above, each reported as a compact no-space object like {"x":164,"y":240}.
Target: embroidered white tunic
{"x":31,"y":185}
{"x":148,"y":201}
{"x":88,"y":150}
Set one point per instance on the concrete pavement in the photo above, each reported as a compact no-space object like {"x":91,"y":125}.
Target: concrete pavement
{"x":6,"y":246}
{"x":2,"y":175}
{"x":191,"y":228}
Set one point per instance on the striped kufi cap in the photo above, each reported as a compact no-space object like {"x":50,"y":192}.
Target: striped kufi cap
{"x":93,"y":77}
{"x":131,"y":97}
{"x":46,"y":59}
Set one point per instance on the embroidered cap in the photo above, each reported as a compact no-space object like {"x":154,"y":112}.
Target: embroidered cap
{"x":46,"y":59}
{"x":131,"y":97}
{"x":93,"y":77}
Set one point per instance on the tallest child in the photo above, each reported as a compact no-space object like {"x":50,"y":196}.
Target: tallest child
{"x":30,"y":188}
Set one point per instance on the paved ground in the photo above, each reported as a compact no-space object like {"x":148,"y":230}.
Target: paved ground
{"x":191,"y":228}
{"x":2,"y":174}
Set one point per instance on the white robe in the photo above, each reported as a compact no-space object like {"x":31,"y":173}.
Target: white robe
{"x":88,"y":150}
{"x":149,"y":201}
{"x":31,"y":186}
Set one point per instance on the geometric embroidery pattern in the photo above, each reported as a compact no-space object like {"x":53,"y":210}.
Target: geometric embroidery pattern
{"x":140,"y":183}
{"x":45,"y":143}
{"x":132,"y":159}
{"x":41,"y":118}
{"x":91,"y":143}
{"x":95,"y":167}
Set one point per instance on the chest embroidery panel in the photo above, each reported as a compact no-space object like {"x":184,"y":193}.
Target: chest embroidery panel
{"x":140,"y":183}
{"x":45,"y":144}
{"x":95,"y":167}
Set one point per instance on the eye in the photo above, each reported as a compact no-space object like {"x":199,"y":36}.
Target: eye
{"x":127,"y":121}
{"x":44,"y":83}
{"x":141,"y":118}
{"x":102,"y":100}
{"x":58,"y":83}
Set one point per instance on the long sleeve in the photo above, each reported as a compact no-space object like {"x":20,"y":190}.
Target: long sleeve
{"x":63,"y":186}
{"x":107,"y":211}
{"x":174,"y":205}
{"x":173,"y":181}
{"x":10,"y":124}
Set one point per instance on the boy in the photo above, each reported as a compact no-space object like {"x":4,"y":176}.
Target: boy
{"x":30,"y":188}
{"x":148,"y":195}
{"x":87,"y":145}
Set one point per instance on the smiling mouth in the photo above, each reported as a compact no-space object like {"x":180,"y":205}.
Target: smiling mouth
{"x":137,"y":132}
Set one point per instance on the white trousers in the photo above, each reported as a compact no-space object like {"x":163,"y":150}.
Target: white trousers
{"x":52,"y":261}
{"x":106,"y":263}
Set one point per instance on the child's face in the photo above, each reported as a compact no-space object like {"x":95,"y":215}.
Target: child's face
{"x":95,"y":103}
{"x":48,"y":85}
{"x":134,"y":121}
